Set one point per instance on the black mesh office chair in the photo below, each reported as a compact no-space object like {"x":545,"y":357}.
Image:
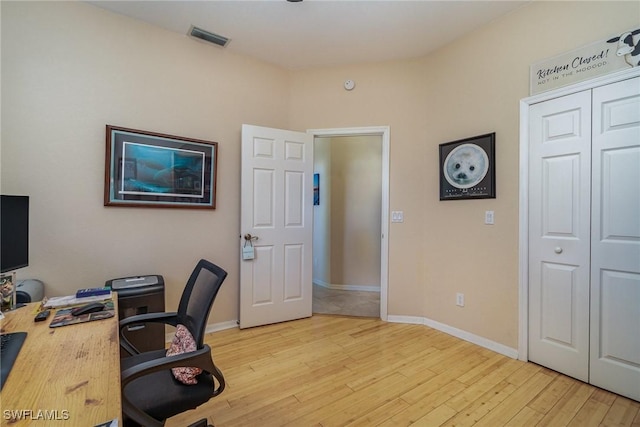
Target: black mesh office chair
{"x":150,"y":392}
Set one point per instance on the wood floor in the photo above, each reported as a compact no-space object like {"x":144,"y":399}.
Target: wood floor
{"x":347,"y":371}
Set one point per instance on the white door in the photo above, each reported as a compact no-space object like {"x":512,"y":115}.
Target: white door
{"x":559,"y":230}
{"x":277,"y":209}
{"x":615,"y":244}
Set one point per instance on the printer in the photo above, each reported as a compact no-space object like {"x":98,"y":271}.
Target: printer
{"x":29,"y":290}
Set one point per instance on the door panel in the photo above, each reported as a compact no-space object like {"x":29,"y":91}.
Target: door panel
{"x":277,"y":208}
{"x":558,"y":292}
{"x":559,"y":230}
{"x":560,"y":210}
{"x":615,"y":269}
{"x":294,"y":272}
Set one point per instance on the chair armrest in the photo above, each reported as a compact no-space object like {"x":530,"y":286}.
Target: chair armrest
{"x":200,"y":358}
{"x":170,"y":318}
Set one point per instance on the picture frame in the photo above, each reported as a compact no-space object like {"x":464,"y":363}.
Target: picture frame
{"x":7,"y":291}
{"x":316,"y":189}
{"x":149,"y":169}
{"x":467,"y":168}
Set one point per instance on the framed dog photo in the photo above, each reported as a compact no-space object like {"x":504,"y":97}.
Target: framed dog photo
{"x":467,"y":168}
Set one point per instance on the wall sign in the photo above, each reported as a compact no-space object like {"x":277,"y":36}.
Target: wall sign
{"x":597,"y":59}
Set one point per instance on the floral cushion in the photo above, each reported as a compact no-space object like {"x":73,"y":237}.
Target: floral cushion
{"x":183,"y":342}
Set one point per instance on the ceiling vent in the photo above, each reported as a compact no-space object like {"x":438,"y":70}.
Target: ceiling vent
{"x":207,"y":36}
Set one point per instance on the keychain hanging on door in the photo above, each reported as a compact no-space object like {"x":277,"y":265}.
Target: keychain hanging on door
{"x":248,"y":251}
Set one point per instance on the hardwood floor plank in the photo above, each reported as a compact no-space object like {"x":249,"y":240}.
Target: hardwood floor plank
{"x":591,"y":414}
{"x":436,"y":417}
{"x":480,"y":407}
{"x":503,"y":413}
{"x":568,"y":405}
{"x":356,"y":404}
{"x":484,"y":385}
{"x":525,"y":418}
{"x":329,"y":371}
{"x":550,"y":396}
{"x":478,"y":372}
{"x":623,"y":412}
{"x":380,"y":414}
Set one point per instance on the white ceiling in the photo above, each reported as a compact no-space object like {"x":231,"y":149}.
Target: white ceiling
{"x":315,"y":33}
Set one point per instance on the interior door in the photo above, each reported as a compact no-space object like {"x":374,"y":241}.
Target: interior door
{"x":559,"y":230}
{"x":277,"y":212}
{"x":615,"y":269}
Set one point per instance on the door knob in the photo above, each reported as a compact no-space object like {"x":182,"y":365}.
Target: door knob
{"x":558,"y":250}
{"x":248,"y":237}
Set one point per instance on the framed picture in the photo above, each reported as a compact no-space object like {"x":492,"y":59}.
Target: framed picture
{"x":8,"y":289}
{"x":147,"y":169}
{"x":467,"y":168}
{"x":316,"y":189}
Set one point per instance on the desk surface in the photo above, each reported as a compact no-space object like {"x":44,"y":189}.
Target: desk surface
{"x":63,"y":376}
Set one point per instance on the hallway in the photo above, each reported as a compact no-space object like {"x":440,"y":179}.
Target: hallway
{"x":349,"y":303}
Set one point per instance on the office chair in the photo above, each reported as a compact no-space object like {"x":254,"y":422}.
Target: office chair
{"x":150,"y":392}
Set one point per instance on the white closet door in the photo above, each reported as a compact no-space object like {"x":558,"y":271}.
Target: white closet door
{"x":559,"y":229}
{"x":615,"y":267}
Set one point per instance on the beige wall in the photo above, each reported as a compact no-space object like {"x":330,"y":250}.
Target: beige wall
{"x":356,"y":177}
{"x":69,"y":68}
{"x":470,"y":87}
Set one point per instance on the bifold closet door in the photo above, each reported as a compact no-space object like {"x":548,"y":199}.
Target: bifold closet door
{"x":559,"y":233}
{"x":615,"y":243}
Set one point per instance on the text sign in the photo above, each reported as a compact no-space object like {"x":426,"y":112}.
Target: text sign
{"x":597,"y":59}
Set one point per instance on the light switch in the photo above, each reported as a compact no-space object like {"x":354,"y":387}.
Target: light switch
{"x":397,"y":216}
{"x":488,"y":217}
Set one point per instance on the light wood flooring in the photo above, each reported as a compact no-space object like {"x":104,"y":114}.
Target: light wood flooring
{"x":347,"y":371}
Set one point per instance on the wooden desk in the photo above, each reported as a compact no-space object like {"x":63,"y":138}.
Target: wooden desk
{"x":72,"y":372}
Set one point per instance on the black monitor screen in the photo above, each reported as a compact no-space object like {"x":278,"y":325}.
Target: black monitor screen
{"x":14,"y":232}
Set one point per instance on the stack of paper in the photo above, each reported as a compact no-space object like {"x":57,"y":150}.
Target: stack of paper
{"x":64,"y":301}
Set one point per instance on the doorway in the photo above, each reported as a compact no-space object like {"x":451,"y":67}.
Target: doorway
{"x":346,"y":238}
{"x":350,"y":214}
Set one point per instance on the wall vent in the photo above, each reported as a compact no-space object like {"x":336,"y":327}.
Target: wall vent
{"x":207,"y":36}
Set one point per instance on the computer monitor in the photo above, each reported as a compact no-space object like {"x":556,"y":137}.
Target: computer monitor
{"x":14,"y":232}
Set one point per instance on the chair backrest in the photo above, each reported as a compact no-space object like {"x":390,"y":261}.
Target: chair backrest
{"x":198,"y":296}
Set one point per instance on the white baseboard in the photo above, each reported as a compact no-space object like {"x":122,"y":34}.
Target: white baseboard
{"x":216,"y":327}
{"x":458,"y":333}
{"x":363,"y":288}
{"x":213,"y":327}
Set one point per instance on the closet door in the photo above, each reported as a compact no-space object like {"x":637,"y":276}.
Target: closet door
{"x":559,"y":230}
{"x":615,"y":265}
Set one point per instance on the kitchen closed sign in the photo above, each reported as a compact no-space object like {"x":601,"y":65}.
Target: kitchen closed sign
{"x":617,"y":53}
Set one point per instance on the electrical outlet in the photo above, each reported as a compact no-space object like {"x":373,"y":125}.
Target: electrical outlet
{"x":460,"y":299}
